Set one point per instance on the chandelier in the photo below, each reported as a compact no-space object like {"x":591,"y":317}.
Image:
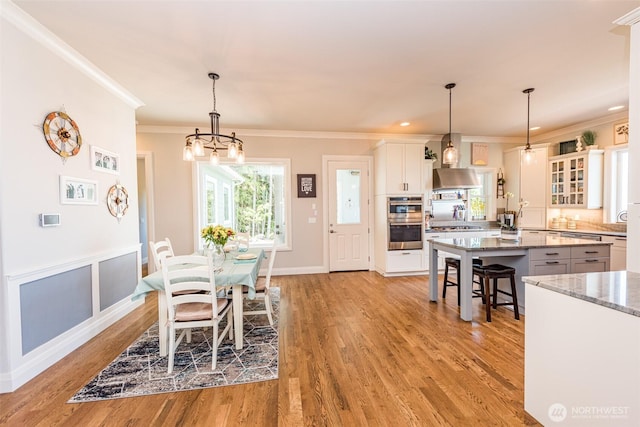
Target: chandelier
{"x":450,"y":154}
{"x":197,"y":142}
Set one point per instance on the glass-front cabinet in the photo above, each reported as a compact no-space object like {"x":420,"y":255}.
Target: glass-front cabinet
{"x":576,"y":180}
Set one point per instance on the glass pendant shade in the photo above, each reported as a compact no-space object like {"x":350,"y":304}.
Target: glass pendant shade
{"x":240,"y":158}
{"x":450,"y":155}
{"x":214,"y":158}
{"x":198,"y":147}
{"x":187,"y":153}
{"x":233,"y":151}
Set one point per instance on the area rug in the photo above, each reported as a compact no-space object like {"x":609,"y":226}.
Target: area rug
{"x":140,"y":370}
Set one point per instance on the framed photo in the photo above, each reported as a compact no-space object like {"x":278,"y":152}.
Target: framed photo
{"x":621,"y":132}
{"x":105,"y":161}
{"x":479,"y":154}
{"x":78,"y":191}
{"x":306,"y":185}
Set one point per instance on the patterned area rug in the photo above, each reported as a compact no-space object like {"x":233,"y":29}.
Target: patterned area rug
{"x":140,"y":370}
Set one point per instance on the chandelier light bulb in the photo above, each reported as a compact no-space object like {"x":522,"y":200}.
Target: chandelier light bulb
{"x":240,"y":159}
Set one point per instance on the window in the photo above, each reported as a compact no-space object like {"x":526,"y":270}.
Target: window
{"x":255,"y":199}
{"x":482,"y":199}
{"x":616,"y":182}
{"x":210,"y":200}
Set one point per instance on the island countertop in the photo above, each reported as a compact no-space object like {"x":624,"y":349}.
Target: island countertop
{"x":619,"y":290}
{"x":525,"y":242}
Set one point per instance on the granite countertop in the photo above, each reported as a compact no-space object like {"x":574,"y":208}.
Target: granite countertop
{"x":618,"y":290}
{"x":525,"y":242}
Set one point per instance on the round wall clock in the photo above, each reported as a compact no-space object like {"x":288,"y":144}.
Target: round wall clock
{"x":62,"y":134}
{"x":117,"y":201}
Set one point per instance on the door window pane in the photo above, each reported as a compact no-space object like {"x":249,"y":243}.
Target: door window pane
{"x":348,"y":196}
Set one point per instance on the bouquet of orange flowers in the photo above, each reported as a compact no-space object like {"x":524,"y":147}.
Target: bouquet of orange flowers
{"x":216,"y":234}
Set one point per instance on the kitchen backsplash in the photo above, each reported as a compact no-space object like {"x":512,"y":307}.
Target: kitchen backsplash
{"x":585,"y":219}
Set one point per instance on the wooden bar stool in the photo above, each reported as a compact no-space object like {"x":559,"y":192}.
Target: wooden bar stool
{"x":455,"y":264}
{"x":495,"y":272}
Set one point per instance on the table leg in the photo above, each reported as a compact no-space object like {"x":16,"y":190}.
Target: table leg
{"x":433,"y":273}
{"x":162,"y":324}
{"x":466,"y":283}
{"x":237,"y":315}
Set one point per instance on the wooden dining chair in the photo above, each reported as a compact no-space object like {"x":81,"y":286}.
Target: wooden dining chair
{"x":159,"y":251}
{"x":192,"y":302}
{"x":262,"y":288}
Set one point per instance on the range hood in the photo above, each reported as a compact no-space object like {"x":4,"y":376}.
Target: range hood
{"x":455,"y":179}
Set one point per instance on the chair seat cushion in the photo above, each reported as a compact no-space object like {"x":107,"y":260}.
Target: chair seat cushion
{"x":198,"y":310}
{"x":493,"y":268}
{"x":261,"y":286}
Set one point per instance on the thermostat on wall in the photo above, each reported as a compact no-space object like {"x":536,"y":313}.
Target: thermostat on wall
{"x":49,"y":220}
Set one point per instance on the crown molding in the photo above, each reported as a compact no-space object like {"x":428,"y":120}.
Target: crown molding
{"x":34,"y":29}
{"x":579,"y":127}
{"x":242,"y":133}
{"x":630,"y":18}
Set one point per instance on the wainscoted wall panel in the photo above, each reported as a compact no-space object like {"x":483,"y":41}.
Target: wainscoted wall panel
{"x":118,"y":278}
{"x":53,"y":305}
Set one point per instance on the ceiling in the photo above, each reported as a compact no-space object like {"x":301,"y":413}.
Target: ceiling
{"x":356,"y":66}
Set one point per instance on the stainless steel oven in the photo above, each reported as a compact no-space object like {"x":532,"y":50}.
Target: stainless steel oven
{"x":404,"y":222}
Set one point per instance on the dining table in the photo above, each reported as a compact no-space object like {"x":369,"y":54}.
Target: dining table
{"x":236,"y":271}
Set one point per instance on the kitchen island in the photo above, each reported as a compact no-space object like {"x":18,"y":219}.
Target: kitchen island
{"x":582,"y":349}
{"x":529,"y":255}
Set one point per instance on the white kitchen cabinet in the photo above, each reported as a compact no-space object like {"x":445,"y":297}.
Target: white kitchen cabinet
{"x":618,"y":252}
{"x":404,"y":261}
{"x":576,"y":180}
{"x":399,"y":168}
{"x":526,"y":180}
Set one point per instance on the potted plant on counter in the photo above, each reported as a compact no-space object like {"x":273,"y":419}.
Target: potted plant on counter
{"x":589,"y":139}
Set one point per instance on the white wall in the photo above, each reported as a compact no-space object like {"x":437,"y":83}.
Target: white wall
{"x":35,"y":81}
{"x":174,"y":198}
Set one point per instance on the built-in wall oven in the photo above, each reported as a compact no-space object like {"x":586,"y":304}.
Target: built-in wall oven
{"x":405,"y":223}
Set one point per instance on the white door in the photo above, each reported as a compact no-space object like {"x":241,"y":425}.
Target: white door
{"x":348,"y":190}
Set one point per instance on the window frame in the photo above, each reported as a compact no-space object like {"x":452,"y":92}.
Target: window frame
{"x":287,"y":195}
{"x":610,"y":203}
{"x":489,"y":188}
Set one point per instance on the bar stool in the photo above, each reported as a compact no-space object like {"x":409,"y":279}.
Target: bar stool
{"x":455,"y":264}
{"x":495,"y":272}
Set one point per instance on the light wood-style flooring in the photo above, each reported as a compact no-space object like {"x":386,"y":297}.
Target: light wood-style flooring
{"x":356,"y":349}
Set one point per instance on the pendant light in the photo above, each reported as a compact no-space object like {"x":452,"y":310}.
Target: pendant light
{"x":196,"y":143}
{"x":528,"y":151}
{"x":450,"y":154}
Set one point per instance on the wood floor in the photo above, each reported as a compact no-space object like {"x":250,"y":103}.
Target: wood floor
{"x":356,"y":349}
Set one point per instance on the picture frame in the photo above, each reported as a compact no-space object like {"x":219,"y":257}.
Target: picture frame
{"x":306,"y":185}
{"x":78,"y":191}
{"x":105,"y":161}
{"x":479,"y":154}
{"x":621,"y":132}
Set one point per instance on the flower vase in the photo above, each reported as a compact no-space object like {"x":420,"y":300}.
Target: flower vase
{"x":218,"y":255}
{"x":512,"y":234}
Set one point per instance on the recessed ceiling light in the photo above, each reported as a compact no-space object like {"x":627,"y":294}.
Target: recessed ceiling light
{"x":534,"y":128}
{"x":404,"y":124}
{"x":617,"y":107}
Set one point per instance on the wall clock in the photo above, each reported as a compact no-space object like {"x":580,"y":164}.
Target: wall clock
{"x":62,"y":134}
{"x":117,"y":201}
